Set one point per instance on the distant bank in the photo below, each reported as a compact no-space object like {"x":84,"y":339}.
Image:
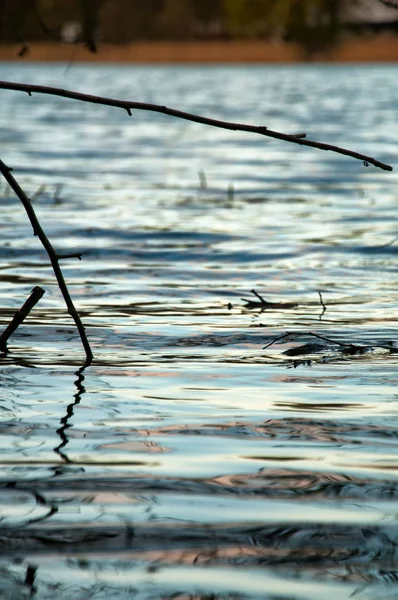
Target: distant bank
{"x":369,"y":49}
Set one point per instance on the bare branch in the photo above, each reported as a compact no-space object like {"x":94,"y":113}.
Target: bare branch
{"x":128,"y":105}
{"x":324,"y":308}
{"x":71,"y":255}
{"x":54,"y":258}
{"x":20,"y":316}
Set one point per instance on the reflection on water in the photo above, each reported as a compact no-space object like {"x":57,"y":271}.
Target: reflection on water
{"x":64,"y":422}
{"x":188,"y":462}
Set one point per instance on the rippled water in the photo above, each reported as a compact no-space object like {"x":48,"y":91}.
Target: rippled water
{"x":188,"y":462}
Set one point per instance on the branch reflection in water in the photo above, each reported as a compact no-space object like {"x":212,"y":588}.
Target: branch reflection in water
{"x":65,"y":421}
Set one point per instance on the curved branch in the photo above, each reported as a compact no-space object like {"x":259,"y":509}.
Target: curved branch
{"x":53,"y":256}
{"x":128,"y":106}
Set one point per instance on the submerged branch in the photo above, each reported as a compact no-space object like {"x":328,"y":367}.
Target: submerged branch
{"x":264,"y":304}
{"x":20,"y":316}
{"x":53,"y":256}
{"x":347,"y":347}
{"x":128,"y":106}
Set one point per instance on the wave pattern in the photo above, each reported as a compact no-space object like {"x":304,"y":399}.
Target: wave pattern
{"x":188,"y":462}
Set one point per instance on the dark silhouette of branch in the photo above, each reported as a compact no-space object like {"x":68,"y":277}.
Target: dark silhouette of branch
{"x":348,"y":347}
{"x":53,"y":256}
{"x":70,"y":255}
{"x":284,"y":336}
{"x":30,"y":578}
{"x":264,"y":304}
{"x":324,"y":308}
{"x":128,"y":106}
{"x":20,"y":316}
{"x":390,"y":3}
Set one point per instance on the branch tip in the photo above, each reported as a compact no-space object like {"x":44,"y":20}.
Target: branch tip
{"x":71,"y":255}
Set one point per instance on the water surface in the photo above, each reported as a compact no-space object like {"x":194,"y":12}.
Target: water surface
{"x":186,"y":461}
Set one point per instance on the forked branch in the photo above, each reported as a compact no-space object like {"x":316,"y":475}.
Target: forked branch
{"x":52,"y":254}
{"x":128,"y":106}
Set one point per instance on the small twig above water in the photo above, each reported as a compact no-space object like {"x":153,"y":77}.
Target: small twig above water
{"x":202,"y":180}
{"x":324,"y":309}
{"x":129,"y":105}
{"x":57,"y":193}
{"x":284,"y":336}
{"x":259,"y":297}
{"x":263,"y":304}
{"x":38,"y":193}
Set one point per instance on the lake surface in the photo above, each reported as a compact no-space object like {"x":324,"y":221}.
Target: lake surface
{"x":187,"y":461}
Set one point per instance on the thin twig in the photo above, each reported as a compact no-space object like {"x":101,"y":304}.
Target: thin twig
{"x":129,"y":105}
{"x":390,"y":243}
{"x":70,"y":255}
{"x":264,"y":304}
{"x":38,"y":193}
{"x":324,"y":309}
{"x":326,"y":339}
{"x":258,"y":296}
{"x":20,"y":316}
{"x":279,"y":338}
{"x":53,"y":256}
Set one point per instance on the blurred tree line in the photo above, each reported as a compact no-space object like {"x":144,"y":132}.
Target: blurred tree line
{"x":315,"y":24}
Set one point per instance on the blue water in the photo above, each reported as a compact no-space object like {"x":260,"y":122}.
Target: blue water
{"x":186,"y":461}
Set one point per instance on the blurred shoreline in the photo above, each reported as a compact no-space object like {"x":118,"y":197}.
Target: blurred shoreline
{"x":366,"y":49}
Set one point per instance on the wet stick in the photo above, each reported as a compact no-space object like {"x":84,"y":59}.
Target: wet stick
{"x":52,"y":254}
{"x":20,"y":316}
{"x":348,"y":347}
{"x":128,"y":106}
{"x":324,"y":307}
